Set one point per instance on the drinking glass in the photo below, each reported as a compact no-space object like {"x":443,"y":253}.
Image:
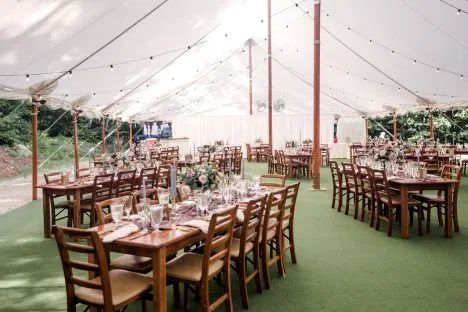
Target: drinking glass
{"x":256,"y":182}
{"x":117,"y":212}
{"x":128,"y":206}
{"x":156,"y":213}
{"x":163,"y":196}
{"x":243,"y":188}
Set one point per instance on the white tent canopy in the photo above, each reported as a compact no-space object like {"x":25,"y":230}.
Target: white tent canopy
{"x":419,"y":47}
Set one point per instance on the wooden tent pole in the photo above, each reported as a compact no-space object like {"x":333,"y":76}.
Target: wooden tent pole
{"x":130,"y":133}
{"x":395,"y":138}
{"x":250,"y":78}
{"x":317,"y":152}
{"x":75,"y":143}
{"x":35,"y":110}
{"x":270,"y":82}
{"x":117,"y":134}
{"x":366,"y":119}
{"x":431,"y":125}
{"x":103,"y":136}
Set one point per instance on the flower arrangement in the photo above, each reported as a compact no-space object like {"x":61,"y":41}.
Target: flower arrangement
{"x":119,"y":161}
{"x":384,"y":150}
{"x":307,"y":142}
{"x":259,"y":141}
{"x":219,"y":143}
{"x":204,"y":177}
{"x":209,"y":148}
{"x":291,"y":144}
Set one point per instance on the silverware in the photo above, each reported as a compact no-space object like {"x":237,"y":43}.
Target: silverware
{"x":140,"y":234}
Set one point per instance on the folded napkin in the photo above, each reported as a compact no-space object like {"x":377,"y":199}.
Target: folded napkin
{"x":240,"y":215}
{"x":199,"y":224}
{"x":121,"y":232}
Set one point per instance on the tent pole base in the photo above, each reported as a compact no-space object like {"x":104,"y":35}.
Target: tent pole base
{"x":317,"y":190}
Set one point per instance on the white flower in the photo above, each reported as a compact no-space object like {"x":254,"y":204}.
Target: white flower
{"x":203,"y":179}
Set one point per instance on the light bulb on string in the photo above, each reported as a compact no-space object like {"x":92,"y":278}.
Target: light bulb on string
{"x":70,"y":74}
{"x":66,"y":96}
{"x":27,"y":77}
{"x":461,"y":76}
{"x":111,"y":68}
{"x":151,"y":59}
{"x":458,"y":11}
{"x":94,"y":94}
{"x":437,"y":69}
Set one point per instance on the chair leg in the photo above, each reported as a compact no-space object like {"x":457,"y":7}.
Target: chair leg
{"x":356,"y":205}
{"x":279,"y":254}
{"x":347,"y":202}
{"x":242,"y":282}
{"x":379,"y":214}
{"x":420,"y":214}
{"x":266,"y":275}
{"x":292,"y":246}
{"x":204,"y":298}
{"x":363,"y":208}
{"x":340,"y":198}
{"x":334,"y":196}
{"x":439,"y":215}
{"x":176,"y":290}
{"x":455,"y":219}
{"x":186,"y":291}
{"x":372,"y":217}
{"x":428,"y":221}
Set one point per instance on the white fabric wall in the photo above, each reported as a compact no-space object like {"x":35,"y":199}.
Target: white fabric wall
{"x":351,"y":130}
{"x":239,"y":130}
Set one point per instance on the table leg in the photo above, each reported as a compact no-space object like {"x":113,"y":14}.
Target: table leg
{"x":46,"y":212}
{"x":449,"y":213}
{"x":77,"y":209}
{"x":290,"y":169}
{"x":404,"y":218}
{"x":159,"y":280}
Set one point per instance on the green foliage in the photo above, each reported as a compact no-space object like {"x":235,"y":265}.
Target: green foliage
{"x":449,"y":126}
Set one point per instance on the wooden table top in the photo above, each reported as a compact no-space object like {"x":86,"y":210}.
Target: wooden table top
{"x":430,"y":180}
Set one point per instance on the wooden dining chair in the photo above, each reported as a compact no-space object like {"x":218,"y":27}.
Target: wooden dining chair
{"x":368,"y":194}
{"x":430,"y":201}
{"x":288,"y":221}
{"x":164,"y":177}
{"x":337,"y":185}
{"x":125,"y":262}
{"x":353,"y":188}
{"x":389,"y":204}
{"x":60,"y":209}
{"x":107,"y":290}
{"x":248,"y":244}
{"x":236,"y":161}
{"x":274,"y":180}
{"x":183,"y":193}
{"x":198,"y":269}
{"x":272,"y":235}
{"x":83,"y":172}
{"x":125,"y":183}
{"x":150,"y":176}
{"x":102,"y":190}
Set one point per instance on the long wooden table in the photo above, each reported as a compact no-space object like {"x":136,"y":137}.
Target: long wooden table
{"x":66,"y":190}
{"x":405,"y":185}
{"x":156,"y":245}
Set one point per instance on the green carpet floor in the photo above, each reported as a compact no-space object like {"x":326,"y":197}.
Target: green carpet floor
{"x":343,"y":264}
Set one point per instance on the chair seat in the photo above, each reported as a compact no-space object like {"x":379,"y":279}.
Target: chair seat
{"x":235,"y":247}
{"x":285,"y":223}
{"x":188,"y":267}
{"x":67,"y":204}
{"x":132,"y":263}
{"x":430,"y":198}
{"x":396,"y":201}
{"x":125,"y":286}
{"x":270,"y":235}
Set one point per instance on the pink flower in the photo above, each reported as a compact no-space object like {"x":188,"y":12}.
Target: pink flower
{"x":203,"y":179}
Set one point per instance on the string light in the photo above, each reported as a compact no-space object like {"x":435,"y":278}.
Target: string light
{"x":151,"y":59}
{"x":70,"y":74}
{"x":458,"y":11}
{"x":94,"y":94}
{"x":111,"y":68}
{"x":27,"y":77}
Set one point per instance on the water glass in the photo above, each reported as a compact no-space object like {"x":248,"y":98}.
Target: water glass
{"x":117,"y":212}
{"x":128,"y":206}
{"x":163,"y":196}
{"x":156,"y":214}
{"x":256,"y":182}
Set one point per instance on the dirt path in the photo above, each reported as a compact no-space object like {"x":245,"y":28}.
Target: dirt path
{"x":15,"y":193}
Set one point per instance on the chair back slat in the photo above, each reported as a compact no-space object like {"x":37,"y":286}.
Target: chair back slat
{"x":104,"y":217}
{"x":290,"y":202}
{"x":93,"y":248}
{"x":102,"y":188}
{"x":125,"y":182}
{"x":218,"y":238}
{"x":164,"y":176}
{"x":381,"y":186}
{"x":274,"y":180}
{"x":151,"y":175}
{"x":274,"y":211}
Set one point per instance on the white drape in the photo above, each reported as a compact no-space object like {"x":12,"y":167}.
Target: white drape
{"x":351,"y":130}
{"x":239,"y":130}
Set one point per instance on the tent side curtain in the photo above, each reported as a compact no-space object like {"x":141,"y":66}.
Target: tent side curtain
{"x":242,"y":130}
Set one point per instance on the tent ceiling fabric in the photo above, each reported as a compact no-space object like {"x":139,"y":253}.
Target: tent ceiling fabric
{"x":211,"y":78}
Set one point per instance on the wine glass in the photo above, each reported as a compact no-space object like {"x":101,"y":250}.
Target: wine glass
{"x":156,"y":213}
{"x":117,"y":212}
{"x":128,"y":206}
{"x":256,"y":182}
{"x":163,"y":196}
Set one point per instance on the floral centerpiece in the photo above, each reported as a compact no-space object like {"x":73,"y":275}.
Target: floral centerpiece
{"x":307,"y":142}
{"x":259,"y":141}
{"x":291,"y":144}
{"x":204,"y":177}
{"x":383,"y":149}
{"x":219,"y":143}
